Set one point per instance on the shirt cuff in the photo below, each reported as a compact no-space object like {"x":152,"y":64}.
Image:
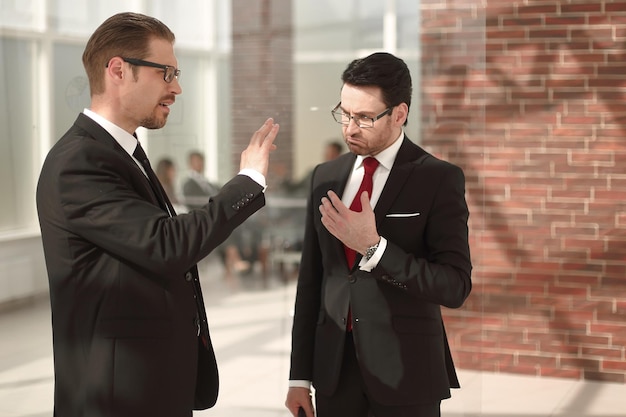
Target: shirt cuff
{"x":256,"y":176}
{"x":297,"y":383}
{"x":373,"y":261}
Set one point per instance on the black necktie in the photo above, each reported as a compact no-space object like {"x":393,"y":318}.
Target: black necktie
{"x":155,"y":184}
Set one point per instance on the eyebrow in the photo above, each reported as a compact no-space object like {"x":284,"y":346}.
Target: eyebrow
{"x":358,"y":113}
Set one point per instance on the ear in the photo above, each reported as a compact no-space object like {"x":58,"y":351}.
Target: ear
{"x":115,"y":69}
{"x":400,"y":114}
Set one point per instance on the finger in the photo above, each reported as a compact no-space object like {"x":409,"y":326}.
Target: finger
{"x":326,"y":220}
{"x":268,"y":141}
{"x":325,"y":215}
{"x":365,"y":202}
{"x":327,"y":209}
{"x":259,"y":136}
{"x":337,"y":203}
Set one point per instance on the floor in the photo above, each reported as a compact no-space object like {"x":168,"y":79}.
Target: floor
{"x":250,"y":327}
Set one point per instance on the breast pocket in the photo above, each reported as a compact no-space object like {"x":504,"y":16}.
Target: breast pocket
{"x":406,"y":215}
{"x":404,"y":228}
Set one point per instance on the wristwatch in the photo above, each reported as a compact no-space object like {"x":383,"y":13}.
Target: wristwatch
{"x":370,"y":251}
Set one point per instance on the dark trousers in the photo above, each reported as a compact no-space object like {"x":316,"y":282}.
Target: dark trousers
{"x":352,"y":400}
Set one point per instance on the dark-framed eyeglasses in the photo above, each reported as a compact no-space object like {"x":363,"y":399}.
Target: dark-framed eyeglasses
{"x":169,"y":72}
{"x":363,"y":122}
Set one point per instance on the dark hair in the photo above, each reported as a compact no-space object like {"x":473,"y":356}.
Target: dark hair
{"x":162,"y":166}
{"x":195,"y":154}
{"x":384,"y":70}
{"x":124,"y":35}
{"x":337,"y":145}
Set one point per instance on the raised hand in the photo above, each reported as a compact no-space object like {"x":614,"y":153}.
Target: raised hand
{"x":256,"y":155}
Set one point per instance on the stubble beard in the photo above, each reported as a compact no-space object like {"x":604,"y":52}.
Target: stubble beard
{"x":153,"y":122}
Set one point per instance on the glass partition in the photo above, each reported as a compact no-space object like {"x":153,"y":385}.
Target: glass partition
{"x":18,"y":129}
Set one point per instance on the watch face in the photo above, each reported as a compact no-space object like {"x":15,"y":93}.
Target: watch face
{"x":370,"y":251}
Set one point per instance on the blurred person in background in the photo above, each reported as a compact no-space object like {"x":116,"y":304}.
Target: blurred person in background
{"x":300,"y":188}
{"x":166,"y":173}
{"x":197,"y":187}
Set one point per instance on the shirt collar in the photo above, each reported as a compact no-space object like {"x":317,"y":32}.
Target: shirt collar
{"x":125,"y":139}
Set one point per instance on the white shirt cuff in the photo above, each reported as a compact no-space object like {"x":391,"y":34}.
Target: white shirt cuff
{"x":373,"y":261}
{"x":300,"y":384}
{"x":256,"y":176}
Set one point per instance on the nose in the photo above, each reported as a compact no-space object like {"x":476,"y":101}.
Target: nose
{"x":352,"y":126}
{"x":176,"y":87}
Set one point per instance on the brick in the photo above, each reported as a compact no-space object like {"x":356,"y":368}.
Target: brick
{"x":616,"y":6}
{"x":568,"y":325}
{"x":559,"y":348}
{"x":587,"y":7}
{"x":565,"y":20}
{"x":552,"y":33}
{"x":586,"y":364}
{"x":561,"y":373}
{"x":543,"y":9}
{"x":604,"y":376}
{"x":606,"y":353}
{"x":537,"y":360}
{"x":588,"y":340}
{"x":609,"y":328}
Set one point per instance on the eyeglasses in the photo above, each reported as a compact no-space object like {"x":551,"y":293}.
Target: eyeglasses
{"x":363,"y":122}
{"x":169,"y":72}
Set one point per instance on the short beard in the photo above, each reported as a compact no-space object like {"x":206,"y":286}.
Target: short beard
{"x":153,"y":123}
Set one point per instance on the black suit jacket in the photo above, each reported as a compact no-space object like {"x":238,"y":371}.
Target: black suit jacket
{"x":398,"y":330}
{"x":122,"y":275}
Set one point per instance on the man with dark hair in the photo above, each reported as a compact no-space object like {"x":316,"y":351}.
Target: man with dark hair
{"x":196,"y":187}
{"x":386,"y":245}
{"x":130,"y":333}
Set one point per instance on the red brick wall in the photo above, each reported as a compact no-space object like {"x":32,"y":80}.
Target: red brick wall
{"x":529,"y":97}
{"x":262,"y":77}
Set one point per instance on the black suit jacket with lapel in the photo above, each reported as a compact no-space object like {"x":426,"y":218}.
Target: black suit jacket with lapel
{"x":122,"y":275}
{"x":397,"y":325}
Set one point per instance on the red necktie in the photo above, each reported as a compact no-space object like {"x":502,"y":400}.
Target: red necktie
{"x":370,"y":164}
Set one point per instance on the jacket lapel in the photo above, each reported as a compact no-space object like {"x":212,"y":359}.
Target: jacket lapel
{"x":99,"y":134}
{"x":408,"y":158}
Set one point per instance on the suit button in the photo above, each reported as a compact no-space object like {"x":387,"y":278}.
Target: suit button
{"x":188,"y":277}
{"x":196,"y":325}
{"x":351,"y":279}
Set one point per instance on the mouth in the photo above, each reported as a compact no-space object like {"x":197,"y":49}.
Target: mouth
{"x":167,"y":102}
{"x":165,"y":106}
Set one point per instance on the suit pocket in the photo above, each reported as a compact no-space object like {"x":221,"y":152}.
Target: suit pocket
{"x":421,"y":325}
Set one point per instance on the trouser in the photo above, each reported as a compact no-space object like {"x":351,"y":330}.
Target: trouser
{"x":352,"y":400}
